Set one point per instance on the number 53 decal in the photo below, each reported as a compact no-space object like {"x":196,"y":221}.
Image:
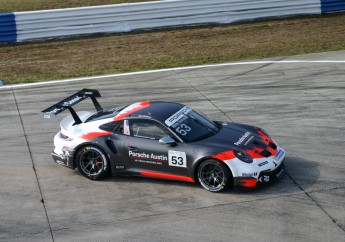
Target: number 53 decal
{"x":183,"y":129}
{"x":177,"y":158}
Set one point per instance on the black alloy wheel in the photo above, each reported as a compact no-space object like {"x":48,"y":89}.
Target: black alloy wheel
{"x":213,"y":176}
{"x":92,"y":162}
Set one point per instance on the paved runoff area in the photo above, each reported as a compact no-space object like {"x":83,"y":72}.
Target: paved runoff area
{"x":300,"y":103}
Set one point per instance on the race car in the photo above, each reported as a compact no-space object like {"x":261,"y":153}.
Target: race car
{"x":163,"y":140}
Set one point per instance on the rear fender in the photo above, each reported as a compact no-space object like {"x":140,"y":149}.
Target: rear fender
{"x":80,"y":146}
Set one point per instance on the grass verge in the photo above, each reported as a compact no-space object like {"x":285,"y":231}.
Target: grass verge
{"x":33,"y":62}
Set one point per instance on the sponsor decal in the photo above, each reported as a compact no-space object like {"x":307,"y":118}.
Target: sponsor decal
{"x":249,"y":174}
{"x":243,"y":139}
{"x":177,"y":116}
{"x":126,"y":127}
{"x":280,"y":173}
{"x":149,"y":162}
{"x":264,"y":179}
{"x":159,"y":157}
{"x":144,"y":116}
{"x":248,"y":140}
{"x":279,"y":155}
{"x":147,"y":158}
{"x":72,"y":101}
{"x":263,"y":163}
{"x":55,"y":110}
{"x":139,"y":155}
{"x":177,"y":158}
{"x":120,"y":167}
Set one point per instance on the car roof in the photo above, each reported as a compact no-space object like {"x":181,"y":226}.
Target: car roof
{"x":159,"y":110}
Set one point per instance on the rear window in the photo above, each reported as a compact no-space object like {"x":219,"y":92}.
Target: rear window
{"x":115,"y":127}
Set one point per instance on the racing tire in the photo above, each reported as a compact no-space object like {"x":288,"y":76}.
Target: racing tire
{"x":92,"y":162}
{"x":213,"y":176}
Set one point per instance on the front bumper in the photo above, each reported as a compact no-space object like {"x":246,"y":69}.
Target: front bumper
{"x":265,"y":177}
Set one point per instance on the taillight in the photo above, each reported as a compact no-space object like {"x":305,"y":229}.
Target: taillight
{"x":65,"y":137}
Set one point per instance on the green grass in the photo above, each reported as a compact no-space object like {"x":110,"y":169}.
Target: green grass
{"x":53,"y":60}
{"x":31,"y":5}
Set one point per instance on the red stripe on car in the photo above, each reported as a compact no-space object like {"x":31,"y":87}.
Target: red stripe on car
{"x":250,"y":183}
{"x":166,"y":176}
{"x":254,"y":153}
{"x":226,"y":155}
{"x":131,"y":109}
{"x":94,"y":135}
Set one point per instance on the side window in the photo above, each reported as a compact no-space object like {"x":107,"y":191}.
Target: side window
{"x":148,"y":129}
{"x":115,"y":127}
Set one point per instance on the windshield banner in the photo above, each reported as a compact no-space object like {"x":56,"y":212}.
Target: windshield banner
{"x":177,"y":116}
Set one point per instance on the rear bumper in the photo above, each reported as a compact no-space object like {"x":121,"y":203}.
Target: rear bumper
{"x":264,"y":178}
{"x":64,"y":160}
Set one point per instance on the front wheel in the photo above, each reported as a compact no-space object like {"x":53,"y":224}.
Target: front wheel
{"x":213,"y":176}
{"x":92,"y":162}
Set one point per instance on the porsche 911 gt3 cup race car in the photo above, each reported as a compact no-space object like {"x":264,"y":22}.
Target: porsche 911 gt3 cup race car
{"x":163,"y":140}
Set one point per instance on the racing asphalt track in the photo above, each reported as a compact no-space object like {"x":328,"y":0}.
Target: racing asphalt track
{"x":301,"y":104}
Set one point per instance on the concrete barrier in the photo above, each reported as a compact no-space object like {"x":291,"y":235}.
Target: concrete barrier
{"x":24,"y":26}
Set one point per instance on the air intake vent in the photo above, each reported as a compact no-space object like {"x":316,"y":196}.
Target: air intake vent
{"x":109,"y":127}
{"x":111,"y":146}
{"x":272,"y":145}
{"x":265,"y":153}
{"x":259,"y":144}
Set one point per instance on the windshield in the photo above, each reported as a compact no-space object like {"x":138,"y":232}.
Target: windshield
{"x":191,"y":125}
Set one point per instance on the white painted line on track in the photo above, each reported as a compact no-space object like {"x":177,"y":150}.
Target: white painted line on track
{"x":169,"y":69}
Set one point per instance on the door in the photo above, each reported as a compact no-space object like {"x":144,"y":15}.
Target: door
{"x":144,"y":152}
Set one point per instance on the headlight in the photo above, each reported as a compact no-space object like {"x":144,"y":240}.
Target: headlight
{"x":243,"y":156}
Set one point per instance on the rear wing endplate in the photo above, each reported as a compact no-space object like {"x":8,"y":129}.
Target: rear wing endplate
{"x":67,"y":103}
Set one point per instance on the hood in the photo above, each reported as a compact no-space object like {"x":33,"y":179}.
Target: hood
{"x":230,"y":136}
{"x":251,"y":140}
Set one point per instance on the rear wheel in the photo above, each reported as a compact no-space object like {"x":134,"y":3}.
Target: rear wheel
{"x":213,"y":176}
{"x":92,"y":162}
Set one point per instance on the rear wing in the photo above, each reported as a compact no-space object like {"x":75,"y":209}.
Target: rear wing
{"x":67,"y":103}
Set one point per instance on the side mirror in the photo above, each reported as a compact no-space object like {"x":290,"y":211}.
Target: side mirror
{"x":167,"y":141}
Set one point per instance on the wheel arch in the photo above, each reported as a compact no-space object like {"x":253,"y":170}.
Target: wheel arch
{"x":198,"y":163}
{"x":80,"y":146}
